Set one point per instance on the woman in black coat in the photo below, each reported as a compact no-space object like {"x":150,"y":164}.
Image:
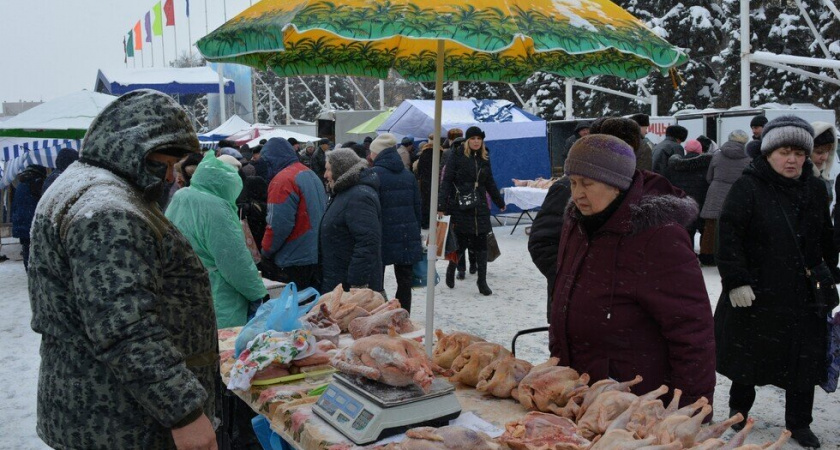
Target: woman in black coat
{"x":769,"y":327}
{"x":350,"y":237}
{"x":468,"y":173}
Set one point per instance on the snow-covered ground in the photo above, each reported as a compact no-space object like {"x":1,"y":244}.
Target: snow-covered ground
{"x":518,"y":302}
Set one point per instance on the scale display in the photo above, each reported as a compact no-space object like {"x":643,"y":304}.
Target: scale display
{"x":367,"y":411}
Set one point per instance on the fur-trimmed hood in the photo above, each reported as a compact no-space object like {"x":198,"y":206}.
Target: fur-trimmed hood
{"x":820,"y":128}
{"x":690,"y":162}
{"x":651,"y":202}
{"x":360,"y":173}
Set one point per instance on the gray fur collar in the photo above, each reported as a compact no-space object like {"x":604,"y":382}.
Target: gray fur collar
{"x":350,"y":178}
{"x":651,"y":211}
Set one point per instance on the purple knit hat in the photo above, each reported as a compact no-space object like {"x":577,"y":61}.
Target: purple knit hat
{"x":603,"y":158}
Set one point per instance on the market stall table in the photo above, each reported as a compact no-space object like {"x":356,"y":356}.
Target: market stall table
{"x":288,"y":407}
{"x":526,"y":198}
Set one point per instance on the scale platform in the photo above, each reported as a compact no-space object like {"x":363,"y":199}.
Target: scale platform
{"x":366,"y":411}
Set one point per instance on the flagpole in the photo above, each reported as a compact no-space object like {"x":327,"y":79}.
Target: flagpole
{"x":189,"y":36}
{"x":152,"y":45}
{"x":163,"y":48}
{"x":142,"y":58}
{"x":175,"y":28}
{"x":206,"y":20}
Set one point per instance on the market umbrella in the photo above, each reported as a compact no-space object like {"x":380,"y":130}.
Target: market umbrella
{"x":480,"y":40}
{"x":372,"y":124}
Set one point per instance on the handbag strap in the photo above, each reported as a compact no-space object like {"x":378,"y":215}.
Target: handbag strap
{"x":793,"y":233}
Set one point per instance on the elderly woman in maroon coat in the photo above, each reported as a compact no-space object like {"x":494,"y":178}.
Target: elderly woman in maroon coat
{"x":629,"y":297}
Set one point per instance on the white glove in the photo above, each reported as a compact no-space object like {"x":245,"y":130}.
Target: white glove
{"x":742,"y":296}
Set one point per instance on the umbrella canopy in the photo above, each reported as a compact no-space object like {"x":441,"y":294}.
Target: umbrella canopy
{"x":480,"y":40}
{"x":485,"y":40}
{"x":372,"y":124}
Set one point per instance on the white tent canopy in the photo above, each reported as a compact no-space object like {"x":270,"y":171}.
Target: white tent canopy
{"x":231,"y":126}
{"x":285,"y":134}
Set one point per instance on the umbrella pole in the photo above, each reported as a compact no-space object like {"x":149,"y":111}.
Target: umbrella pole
{"x":432,"y":252}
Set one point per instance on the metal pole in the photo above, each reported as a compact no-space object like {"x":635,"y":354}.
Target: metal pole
{"x":799,"y":72}
{"x":288,"y":105}
{"x":327,"y":91}
{"x":654,"y":105}
{"x":432,"y":248}
{"x":189,"y":37}
{"x":382,"y":94}
{"x":569,"y":109}
{"x":222,"y":105}
{"x":175,"y":35}
{"x":359,"y":90}
{"x":745,"y":53}
{"x":833,"y":8}
{"x":163,"y":48}
{"x":816,"y":33}
{"x":455,"y":90}
{"x":206,"y":20}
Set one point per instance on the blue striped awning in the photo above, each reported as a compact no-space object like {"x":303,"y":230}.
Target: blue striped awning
{"x":41,"y":152}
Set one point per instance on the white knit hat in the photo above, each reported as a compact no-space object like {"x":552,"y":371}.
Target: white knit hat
{"x":382,"y":142}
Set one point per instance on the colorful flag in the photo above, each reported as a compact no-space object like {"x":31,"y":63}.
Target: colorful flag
{"x":169,"y":10}
{"x":129,"y":47}
{"x":188,"y":8}
{"x":148,"y":27}
{"x":138,"y":37}
{"x":157,"y":25}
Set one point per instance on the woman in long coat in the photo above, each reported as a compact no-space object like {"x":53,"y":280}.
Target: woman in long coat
{"x":629,"y":297}
{"x":769,"y":328}
{"x":468,"y":171}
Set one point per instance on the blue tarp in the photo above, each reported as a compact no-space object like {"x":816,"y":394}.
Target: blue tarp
{"x":190,"y":80}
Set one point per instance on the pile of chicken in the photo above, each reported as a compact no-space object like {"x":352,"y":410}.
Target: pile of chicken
{"x":570,"y":414}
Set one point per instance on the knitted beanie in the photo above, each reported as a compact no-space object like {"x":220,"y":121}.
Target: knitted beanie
{"x":693,"y":146}
{"x":787,"y":131}
{"x":342,"y":160}
{"x":383,"y":141}
{"x":739,"y":136}
{"x":642,"y":119}
{"x":758,"y":121}
{"x":230,"y":160}
{"x":474,"y":131}
{"x":603,"y":158}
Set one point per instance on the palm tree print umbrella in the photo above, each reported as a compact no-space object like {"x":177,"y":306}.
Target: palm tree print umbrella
{"x":484,"y":40}
{"x":433,"y":40}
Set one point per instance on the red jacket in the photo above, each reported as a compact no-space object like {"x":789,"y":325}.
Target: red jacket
{"x":632,"y":300}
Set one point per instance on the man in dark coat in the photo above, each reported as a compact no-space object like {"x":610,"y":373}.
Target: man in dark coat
{"x":399,"y":197}
{"x":27,"y":194}
{"x":644,"y":154}
{"x":129,"y":346}
{"x":629,"y":298}
{"x":688,"y":172}
{"x":350,"y":239}
{"x":66,"y":156}
{"x":774,"y":227}
{"x":675,"y":135}
{"x":581,"y":129}
{"x":753,"y":147}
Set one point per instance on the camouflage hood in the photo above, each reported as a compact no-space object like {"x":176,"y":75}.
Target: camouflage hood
{"x":133,"y":126}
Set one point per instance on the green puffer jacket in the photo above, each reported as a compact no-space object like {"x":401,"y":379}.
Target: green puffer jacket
{"x":129,"y":347}
{"x":206,"y":213}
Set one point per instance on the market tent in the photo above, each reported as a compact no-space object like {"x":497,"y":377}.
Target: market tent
{"x":283,"y":133}
{"x":187,"y":80}
{"x":518,"y":146}
{"x":35,"y":136}
{"x":231,"y":126}
{"x":372,"y":124}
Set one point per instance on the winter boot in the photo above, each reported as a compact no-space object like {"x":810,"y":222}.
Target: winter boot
{"x":450,"y":275}
{"x":805,"y":437}
{"x":473,"y":268}
{"x":481,"y":265}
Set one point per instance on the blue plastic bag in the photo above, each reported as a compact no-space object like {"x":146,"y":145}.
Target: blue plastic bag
{"x":268,"y":438}
{"x":419,"y":271}
{"x":833,"y":357}
{"x":278,"y":314}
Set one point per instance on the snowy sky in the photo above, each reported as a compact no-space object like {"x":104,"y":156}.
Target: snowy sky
{"x":49,"y":48}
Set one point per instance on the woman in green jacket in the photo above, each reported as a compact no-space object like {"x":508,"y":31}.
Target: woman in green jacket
{"x":205,"y":213}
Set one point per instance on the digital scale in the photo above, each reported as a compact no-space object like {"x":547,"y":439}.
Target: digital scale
{"x":366,"y":411}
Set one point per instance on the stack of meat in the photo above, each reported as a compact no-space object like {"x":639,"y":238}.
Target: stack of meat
{"x":319,"y":360}
{"x":362,"y":312}
{"x":570,"y":414}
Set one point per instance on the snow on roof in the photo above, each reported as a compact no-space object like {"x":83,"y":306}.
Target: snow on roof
{"x":187,"y":80}
{"x":72,"y":112}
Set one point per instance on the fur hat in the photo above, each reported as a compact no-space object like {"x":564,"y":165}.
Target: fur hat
{"x":739,"y":136}
{"x":407,"y":141}
{"x":474,"y":131}
{"x":293,"y":141}
{"x":758,"y":121}
{"x":625,"y":129}
{"x":787,"y":131}
{"x":677,"y":132}
{"x":604,"y":158}
{"x":383,"y":141}
{"x":641,"y":118}
{"x":693,"y":146}
{"x":342,"y":160}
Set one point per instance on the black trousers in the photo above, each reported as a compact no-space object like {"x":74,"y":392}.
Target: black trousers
{"x":473,"y":242}
{"x":404,"y":275}
{"x":24,"y":244}
{"x":302,"y":276}
{"x":798,"y":405}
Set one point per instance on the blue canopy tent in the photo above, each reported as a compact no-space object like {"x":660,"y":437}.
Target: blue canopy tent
{"x":517,"y":140}
{"x":172,"y":81}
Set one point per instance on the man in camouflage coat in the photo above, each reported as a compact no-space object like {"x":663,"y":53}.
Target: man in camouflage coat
{"x":129,"y":346}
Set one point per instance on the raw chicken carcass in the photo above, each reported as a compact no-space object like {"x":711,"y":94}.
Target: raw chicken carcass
{"x":602,"y":386}
{"x":449,"y":346}
{"x":389,"y":359}
{"x":380,"y":320}
{"x":502,"y":376}
{"x":713,"y":431}
{"x":549,"y":388}
{"x":778,"y":445}
{"x":608,"y":406}
{"x":343,"y":307}
{"x":680,"y":428}
{"x":543,"y":431}
{"x":323,"y":328}
{"x":445,"y":438}
{"x":473,"y":360}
